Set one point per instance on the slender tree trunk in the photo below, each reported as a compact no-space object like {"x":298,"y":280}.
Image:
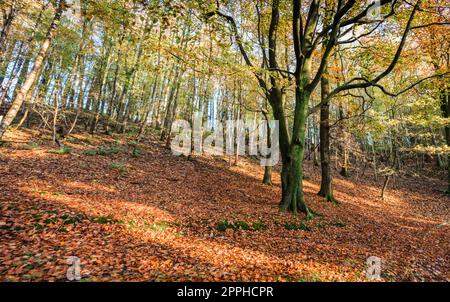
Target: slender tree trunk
{"x":326,"y":186}
{"x":238,"y":117}
{"x":8,"y":19}
{"x":55,"y":114}
{"x":172,"y":115}
{"x":167,"y":117}
{"x":17,"y":103}
{"x":445,"y":106}
{"x":385,"y":184}
{"x":267,"y":179}
{"x":164,"y":96}
{"x":16,"y":67}
{"x":28,"y":55}
{"x":101,"y":82}
{"x":7,"y":58}
{"x":315,"y":145}
{"x":157,"y":111}
{"x":374,"y":154}
{"x":143,"y":125}
{"x":344,"y":143}
{"x":114,"y":89}
{"x":439,"y":161}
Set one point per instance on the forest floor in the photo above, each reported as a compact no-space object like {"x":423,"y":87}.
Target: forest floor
{"x":152,"y":216}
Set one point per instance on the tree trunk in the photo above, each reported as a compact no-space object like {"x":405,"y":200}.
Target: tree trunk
{"x":374,"y":154}
{"x":344,"y":143}
{"x":238,"y":117}
{"x":17,"y":103}
{"x":385,"y":184}
{"x":172,"y":116}
{"x":123,"y":109}
{"x":8,"y":19}
{"x":267,"y":179}
{"x":100,"y":83}
{"x":114,"y":88}
{"x":445,"y":106}
{"x":316,"y":142}
{"x":326,"y":186}
{"x":18,"y":64}
{"x":157,"y":110}
{"x":292,"y":159}
{"x":167,"y":117}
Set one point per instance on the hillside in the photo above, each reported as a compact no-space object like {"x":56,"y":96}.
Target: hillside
{"x":139,"y":213}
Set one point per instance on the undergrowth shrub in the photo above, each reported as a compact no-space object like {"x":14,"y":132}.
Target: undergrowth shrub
{"x":103,"y":151}
{"x":29,"y":146}
{"x":61,"y":151}
{"x":222,"y":226}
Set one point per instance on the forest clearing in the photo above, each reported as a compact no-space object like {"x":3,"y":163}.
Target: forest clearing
{"x":232,"y":140}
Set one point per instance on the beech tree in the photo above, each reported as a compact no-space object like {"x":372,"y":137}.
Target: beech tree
{"x":318,"y":27}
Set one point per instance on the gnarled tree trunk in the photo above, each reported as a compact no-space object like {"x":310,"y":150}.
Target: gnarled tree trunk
{"x":292,"y":157}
